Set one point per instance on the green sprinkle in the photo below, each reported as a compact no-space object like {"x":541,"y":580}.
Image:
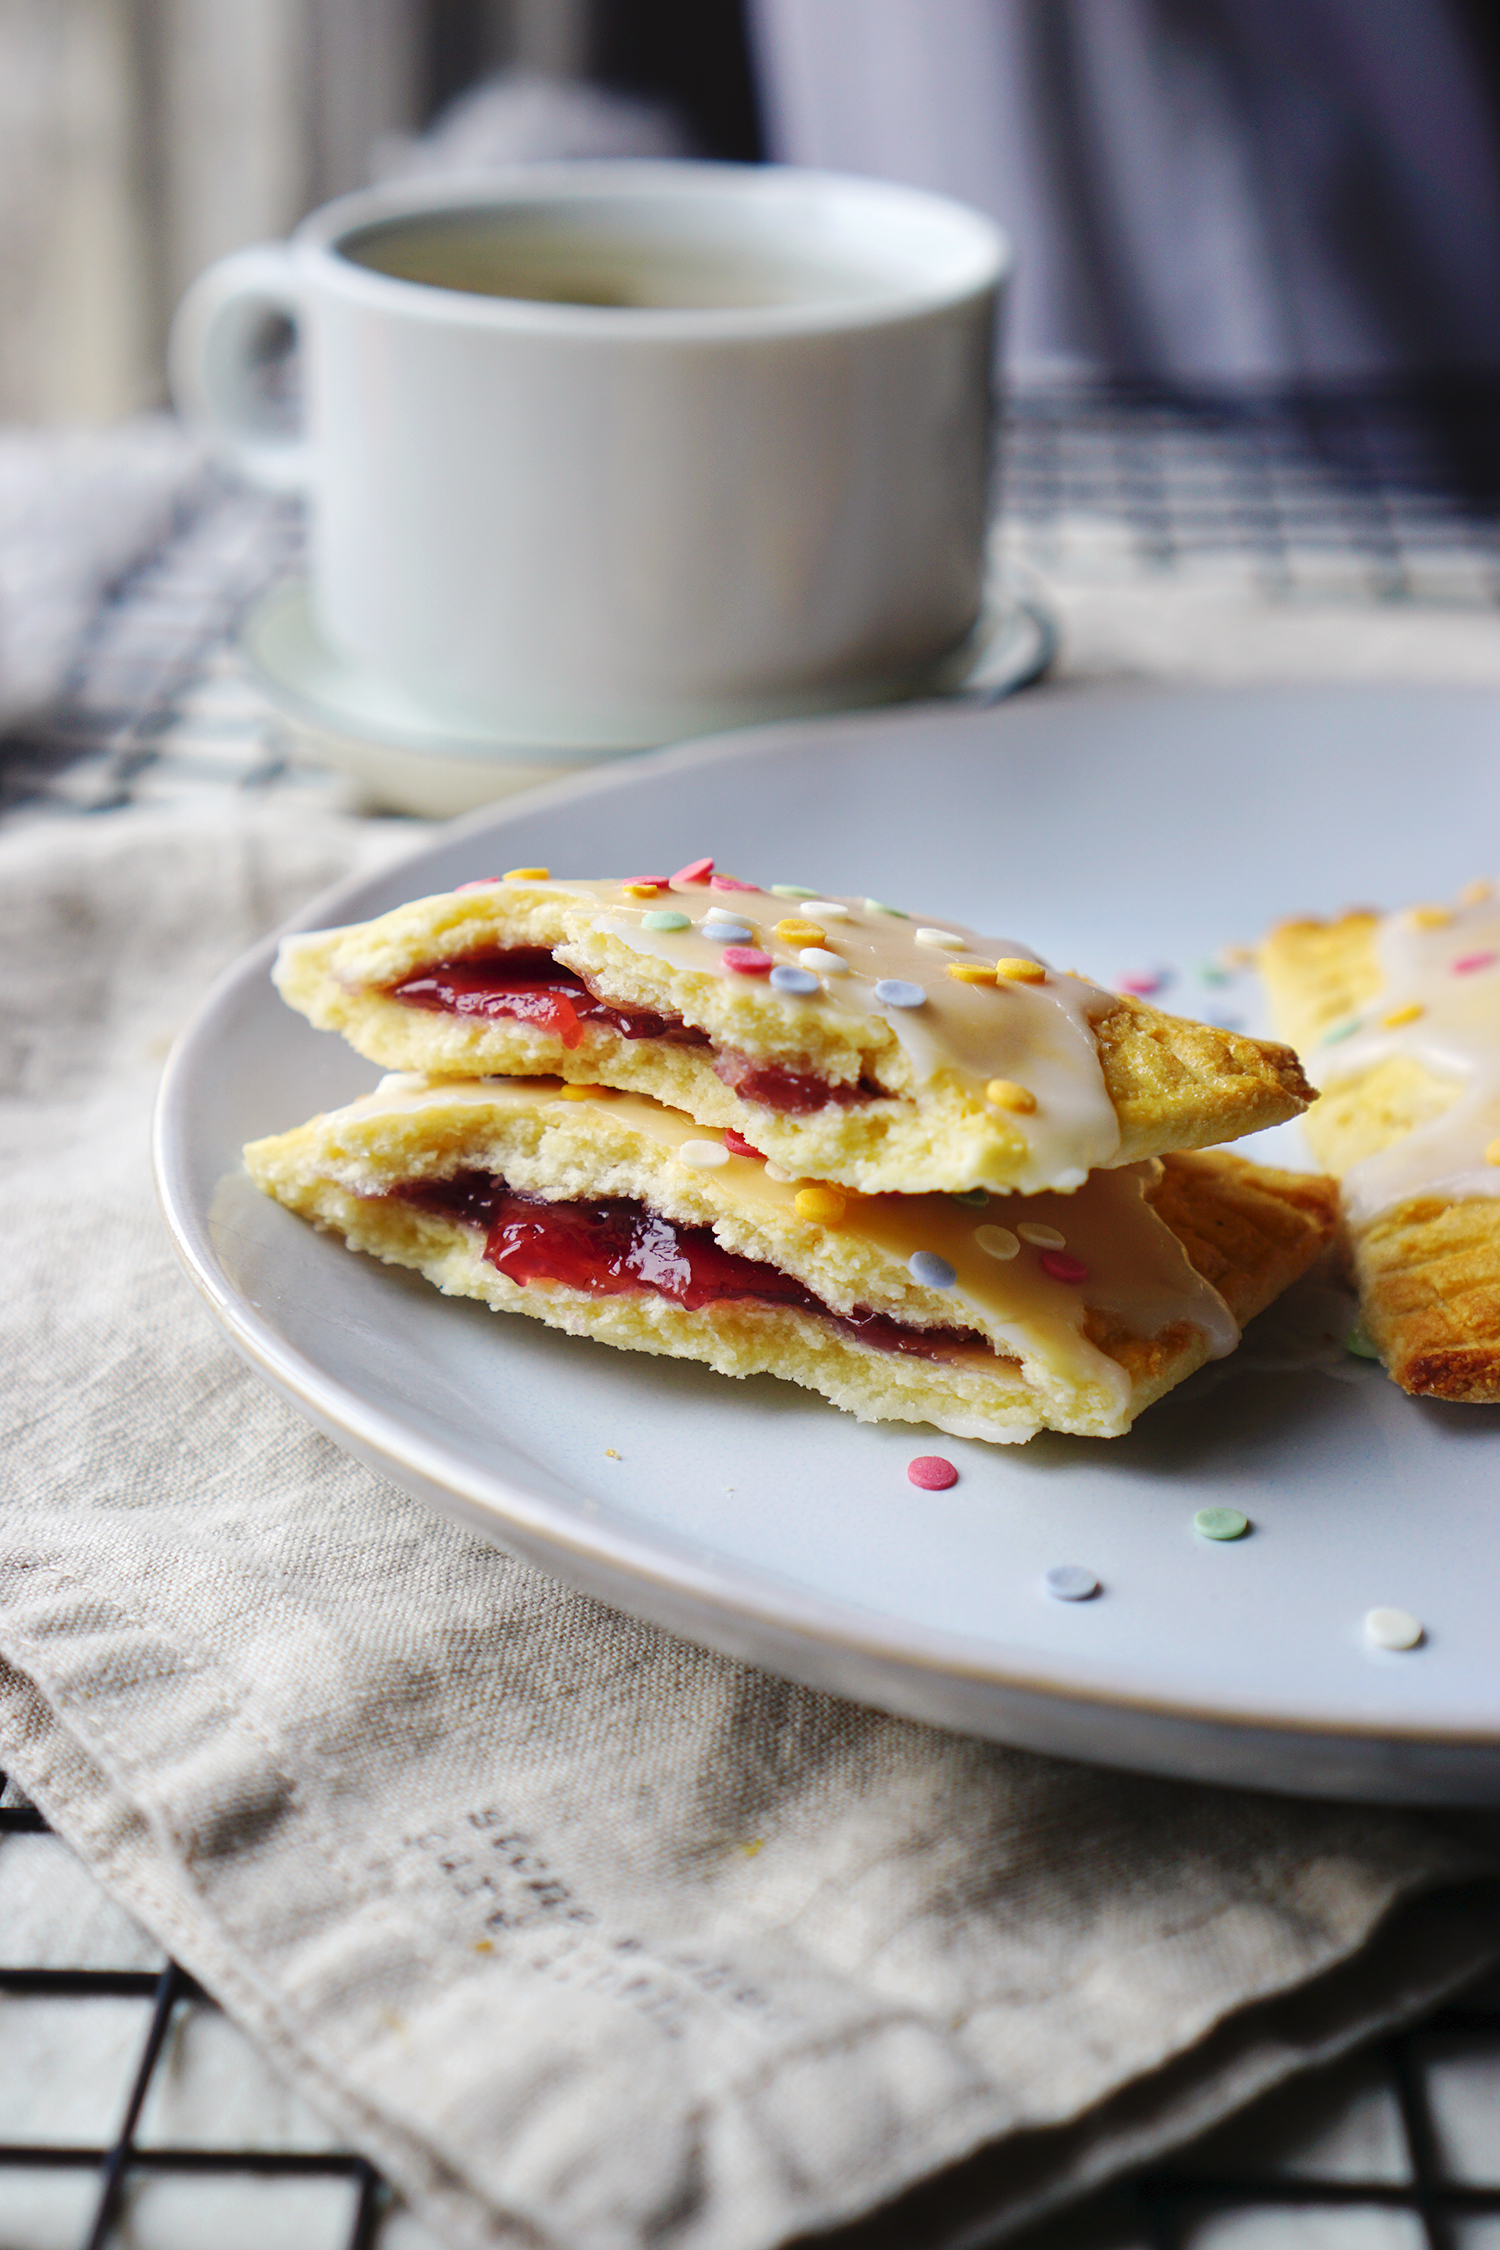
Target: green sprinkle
{"x":1358,"y":1342}
{"x":1221,"y":1523}
{"x":1341,"y":1031}
{"x":1212,"y":973}
{"x":665,"y":918}
{"x":976,"y":1198}
{"x":876,"y":907}
{"x":791,"y":890}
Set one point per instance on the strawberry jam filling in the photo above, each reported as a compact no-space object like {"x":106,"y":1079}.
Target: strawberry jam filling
{"x":527,"y":985}
{"x":612,"y":1246}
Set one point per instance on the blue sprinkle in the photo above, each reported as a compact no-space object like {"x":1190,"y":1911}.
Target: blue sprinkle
{"x":895,"y":992}
{"x":932,"y":1271}
{"x":800,"y":981}
{"x":1070,"y":1582}
{"x":728,"y":933}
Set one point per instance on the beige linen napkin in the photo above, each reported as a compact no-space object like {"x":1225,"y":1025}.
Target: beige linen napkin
{"x":590,"y":1938}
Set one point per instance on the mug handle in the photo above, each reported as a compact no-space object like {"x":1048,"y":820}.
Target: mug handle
{"x":211,"y":363}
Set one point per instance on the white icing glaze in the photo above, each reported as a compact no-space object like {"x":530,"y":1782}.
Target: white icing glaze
{"x":1456,"y":1035}
{"x":1138,"y":1271}
{"x":1039,"y":1035}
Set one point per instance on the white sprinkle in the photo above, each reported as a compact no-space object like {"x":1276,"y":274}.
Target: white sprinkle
{"x":996,"y":1242}
{"x":948,"y":938}
{"x":722,"y":914}
{"x":783,"y":1179}
{"x":1392,"y":1628}
{"x":1045,"y":1238}
{"x":1070,"y":1582}
{"x":825,"y":910}
{"x":818,"y":957}
{"x":703,"y":1156}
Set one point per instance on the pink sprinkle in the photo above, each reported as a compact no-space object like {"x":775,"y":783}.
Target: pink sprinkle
{"x":728,"y":883}
{"x":748,"y":959}
{"x":1469,"y":962}
{"x":1142,"y":984}
{"x":696,"y":871}
{"x":1062,"y":1267}
{"x":931,"y":1473}
{"x":646,"y":882}
{"x":480,"y":882}
{"x":737,"y":1145}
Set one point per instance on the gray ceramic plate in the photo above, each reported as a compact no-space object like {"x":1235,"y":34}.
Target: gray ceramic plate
{"x":1131,"y":833}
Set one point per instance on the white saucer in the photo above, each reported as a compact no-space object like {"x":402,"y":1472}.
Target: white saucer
{"x":408,"y":760}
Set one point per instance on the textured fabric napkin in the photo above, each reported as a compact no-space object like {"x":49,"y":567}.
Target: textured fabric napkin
{"x":590,"y":1938}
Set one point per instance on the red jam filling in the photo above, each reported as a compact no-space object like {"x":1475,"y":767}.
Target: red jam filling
{"x":612,"y":1246}
{"x":527,"y":985}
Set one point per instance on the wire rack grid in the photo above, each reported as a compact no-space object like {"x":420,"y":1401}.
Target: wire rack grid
{"x":132,"y":2127}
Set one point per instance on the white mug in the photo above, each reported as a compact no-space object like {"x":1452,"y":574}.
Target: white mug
{"x":610,"y":454}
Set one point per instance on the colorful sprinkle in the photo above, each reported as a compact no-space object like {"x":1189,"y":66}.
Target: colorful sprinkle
{"x":802,"y":982}
{"x":825,"y":1204}
{"x":877,"y":906}
{"x":1431,"y":917}
{"x":1407,"y":1014}
{"x":1143,"y":982}
{"x":665,"y":918}
{"x":528,"y":875}
{"x":1070,"y":1582}
{"x":696,"y":871}
{"x":1358,"y":1342}
{"x":1393,"y":1628}
{"x":729,"y":883}
{"x":737,"y":1144}
{"x":1220,"y":1523}
{"x":996,"y":1242}
{"x":1061,"y":1265}
{"x":972,"y":972}
{"x":703,"y":1156}
{"x":1340,"y":1031}
{"x":647,"y":882}
{"x":782,"y":1178}
{"x":949,"y":939}
{"x":827,"y":964}
{"x":1212,"y":972}
{"x":977,"y":1199}
{"x":795,"y":929}
{"x":480,"y":883}
{"x":746,"y":960}
{"x":932,"y":1271}
{"x":1475,"y":894}
{"x":931,"y":1473}
{"x":791,"y":890}
{"x":896,"y":992}
{"x":1006,"y":1094}
{"x":729,"y":932}
{"x":1045,"y":1238}
{"x":1021,"y":972}
{"x":828,"y":909}
{"x":1467,"y":963}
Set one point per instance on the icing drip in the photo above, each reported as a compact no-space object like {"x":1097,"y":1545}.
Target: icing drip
{"x":1441,"y":985}
{"x":1038,"y":1035}
{"x":1138,"y":1273}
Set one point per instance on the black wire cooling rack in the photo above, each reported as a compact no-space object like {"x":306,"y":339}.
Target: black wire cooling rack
{"x":1375,"y":496}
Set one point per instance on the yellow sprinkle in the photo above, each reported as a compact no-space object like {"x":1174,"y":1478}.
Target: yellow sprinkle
{"x":528,"y":874}
{"x":1431,"y":917}
{"x":640,"y":890}
{"x":582,"y":1093}
{"x":610,"y":1454}
{"x":484,"y":1945}
{"x":792,"y":930}
{"x":1021,"y":972}
{"x":1492,"y":1153}
{"x":1006,"y":1094}
{"x":825,"y":1204}
{"x":972,"y":972}
{"x":1408,"y":1013}
{"x":756,"y":1844}
{"x":1475,"y":894}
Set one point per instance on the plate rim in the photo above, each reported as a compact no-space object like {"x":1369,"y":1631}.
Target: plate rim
{"x":490,"y":1503}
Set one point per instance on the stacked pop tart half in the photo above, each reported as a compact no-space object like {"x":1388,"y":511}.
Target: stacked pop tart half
{"x":920,"y":1171}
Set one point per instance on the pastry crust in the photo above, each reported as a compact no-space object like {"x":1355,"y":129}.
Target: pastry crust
{"x":1427,"y":1264}
{"x":1081,"y":1355}
{"x":910,"y":1108}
